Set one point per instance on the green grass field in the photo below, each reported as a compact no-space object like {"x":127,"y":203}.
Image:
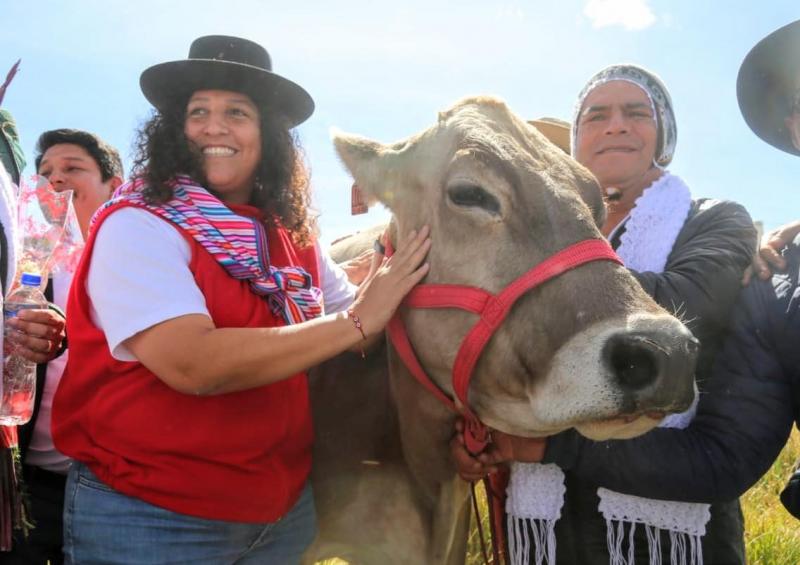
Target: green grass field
{"x":772,"y":535}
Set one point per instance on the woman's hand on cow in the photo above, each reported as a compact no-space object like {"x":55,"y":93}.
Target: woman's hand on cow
{"x":503,"y":449}
{"x":768,"y":256}
{"x":390,"y":279}
{"x":38,"y":334}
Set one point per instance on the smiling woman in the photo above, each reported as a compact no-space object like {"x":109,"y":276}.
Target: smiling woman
{"x":224,"y":127}
{"x":201,"y":302}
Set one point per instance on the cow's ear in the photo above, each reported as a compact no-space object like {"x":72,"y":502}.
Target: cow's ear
{"x":370,"y":164}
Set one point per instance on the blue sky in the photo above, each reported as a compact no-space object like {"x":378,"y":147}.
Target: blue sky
{"x":384,"y":69}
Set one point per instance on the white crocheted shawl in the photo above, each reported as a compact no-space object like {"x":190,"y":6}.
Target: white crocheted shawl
{"x":536,"y":491}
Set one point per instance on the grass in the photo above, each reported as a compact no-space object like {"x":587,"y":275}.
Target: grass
{"x":474,"y":553}
{"x":772,"y":535}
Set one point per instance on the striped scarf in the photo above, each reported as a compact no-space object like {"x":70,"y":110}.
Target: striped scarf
{"x":237,"y":243}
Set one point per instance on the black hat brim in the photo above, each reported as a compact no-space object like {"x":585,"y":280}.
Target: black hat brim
{"x":766,"y":83}
{"x":169,"y":84}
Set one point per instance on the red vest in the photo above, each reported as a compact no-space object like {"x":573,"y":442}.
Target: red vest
{"x":243,"y":456}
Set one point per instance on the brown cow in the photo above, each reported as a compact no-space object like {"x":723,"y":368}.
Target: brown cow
{"x":588,"y":350}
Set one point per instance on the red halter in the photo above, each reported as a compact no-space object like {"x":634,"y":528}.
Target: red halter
{"x":492,"y":310}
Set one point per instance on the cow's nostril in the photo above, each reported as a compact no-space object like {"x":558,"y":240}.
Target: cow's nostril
{"x":632,"y":361}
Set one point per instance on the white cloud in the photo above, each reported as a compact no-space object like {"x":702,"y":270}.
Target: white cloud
{"x":630,"y":14}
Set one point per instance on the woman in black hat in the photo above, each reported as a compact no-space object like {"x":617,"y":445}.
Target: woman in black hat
{"x":195,"y":314}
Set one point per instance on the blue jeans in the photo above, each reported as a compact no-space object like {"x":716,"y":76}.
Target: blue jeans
{"x":105,"y":527}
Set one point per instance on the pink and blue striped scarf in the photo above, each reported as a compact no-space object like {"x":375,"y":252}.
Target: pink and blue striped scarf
{"x":237,"y":243}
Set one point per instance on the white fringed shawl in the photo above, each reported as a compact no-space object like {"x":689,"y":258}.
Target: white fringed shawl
{"x":536,"y":491}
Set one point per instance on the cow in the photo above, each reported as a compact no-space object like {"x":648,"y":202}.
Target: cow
{"x":588,"y":349}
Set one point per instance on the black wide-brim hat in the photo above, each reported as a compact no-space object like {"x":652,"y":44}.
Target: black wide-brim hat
{"x":219,"y":62}
{"x":768,"y":80}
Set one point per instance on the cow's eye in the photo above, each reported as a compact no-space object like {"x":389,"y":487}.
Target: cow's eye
{"x":473,"y":196}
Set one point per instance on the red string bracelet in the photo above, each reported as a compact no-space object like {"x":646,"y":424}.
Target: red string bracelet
{"x":357,"y":323}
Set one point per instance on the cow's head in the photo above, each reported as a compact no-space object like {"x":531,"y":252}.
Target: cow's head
{"x":589,"y":349}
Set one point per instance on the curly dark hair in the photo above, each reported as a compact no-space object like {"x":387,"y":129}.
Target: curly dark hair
{"x":106,"y":157}
{"x":163,"y":151}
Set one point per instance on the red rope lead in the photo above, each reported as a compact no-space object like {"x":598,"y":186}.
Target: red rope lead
{"x":492,"y":310}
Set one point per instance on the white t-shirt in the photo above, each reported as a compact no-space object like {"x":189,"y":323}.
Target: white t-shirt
{"x":139,"y":276}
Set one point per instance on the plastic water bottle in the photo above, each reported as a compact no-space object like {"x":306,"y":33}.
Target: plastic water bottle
{"x":19,"y":374}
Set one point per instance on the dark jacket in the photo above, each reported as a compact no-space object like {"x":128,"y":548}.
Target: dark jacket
{"x":700,"y":283}
{"x":742,"y":421}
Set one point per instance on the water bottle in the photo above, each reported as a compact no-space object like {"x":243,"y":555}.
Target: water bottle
{"x":19,"y":374}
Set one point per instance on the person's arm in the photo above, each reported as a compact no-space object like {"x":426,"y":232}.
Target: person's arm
{"x":339,"y":292}
{"x":768,"y":256}
{"x":192,"y":356}
{"x":742,"y":422}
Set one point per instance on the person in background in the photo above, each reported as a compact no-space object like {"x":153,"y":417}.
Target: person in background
{"x":83,"y":163}
{"x":753,"y":396}
{"x":758,"y":371}
{"x":201,"y":301}
{"x":768,"y":89}
{"x":38,"y":333}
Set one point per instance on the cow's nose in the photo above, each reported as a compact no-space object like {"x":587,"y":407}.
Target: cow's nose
{"x":635,"y":359}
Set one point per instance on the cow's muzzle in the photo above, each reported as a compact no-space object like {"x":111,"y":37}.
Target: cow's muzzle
{"x":653,"y":368}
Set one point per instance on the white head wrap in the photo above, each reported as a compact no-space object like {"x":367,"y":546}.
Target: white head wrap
{"x":660,"y":102}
